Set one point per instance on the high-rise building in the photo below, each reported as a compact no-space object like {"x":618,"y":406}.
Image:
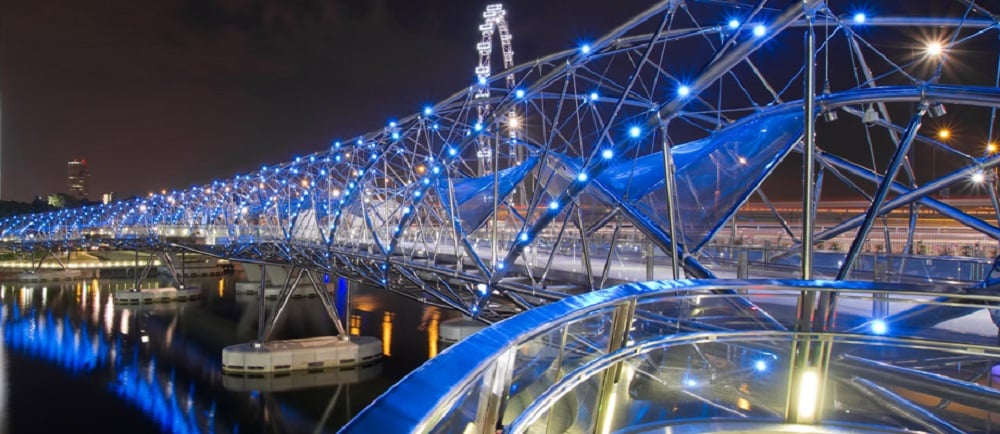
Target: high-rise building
{"x":77,"y":179}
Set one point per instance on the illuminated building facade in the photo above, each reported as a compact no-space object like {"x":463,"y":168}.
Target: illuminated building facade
{"x":77,"y":179}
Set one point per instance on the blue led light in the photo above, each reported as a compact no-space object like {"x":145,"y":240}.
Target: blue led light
{"x":607,"y":154}
{"x":519,"y":93}
{"x":760,"y":366}
{"x":436,"y":170}
{"x":859,"y":18}
{"x":594,"y":96}
{"x":500,"y":265}
{"x":479,"y":126}
{"x":554,"y":205}
{"x":428,"y":111}
{"x":524,"y":236}
{"x":416,"y":193}
{"x":759,"y":30}
{"x":683,"y":91}
{"x":634,"y":132}
{"x":734,"y":24}
{"x":585,"y":48}
{"x":581,"y":177}
{"x":879,"y":327}
{"x":482,"y":81}
{"x":452,"y":152}
{"x":395,"y":135}
{"x":392,"y":124}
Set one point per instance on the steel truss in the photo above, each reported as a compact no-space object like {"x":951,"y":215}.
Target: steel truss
{"x":409,"y":207}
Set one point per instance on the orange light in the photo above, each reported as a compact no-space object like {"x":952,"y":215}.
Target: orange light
{"x":421,"y":169}
{"x":944,"y":133}
{"x":991,"y":147}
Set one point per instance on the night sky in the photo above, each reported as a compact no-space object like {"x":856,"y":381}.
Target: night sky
{"x":169,"y":93}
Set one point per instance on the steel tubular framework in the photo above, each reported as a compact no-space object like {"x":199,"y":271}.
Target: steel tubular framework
{"x":410,"y":207}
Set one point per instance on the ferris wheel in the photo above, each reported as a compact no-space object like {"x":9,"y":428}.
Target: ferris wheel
{"x":495,"y":21}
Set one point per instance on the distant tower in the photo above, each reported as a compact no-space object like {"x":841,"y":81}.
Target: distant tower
{"x":77,"y":179}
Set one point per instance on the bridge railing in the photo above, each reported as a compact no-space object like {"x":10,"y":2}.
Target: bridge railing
{"x":686,"y":352}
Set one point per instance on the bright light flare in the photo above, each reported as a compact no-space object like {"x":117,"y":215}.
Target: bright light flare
{"x":879,"y":327}
{"x":978,"y":177}
{"x":944,"y":134}
{"x":934,"y":49}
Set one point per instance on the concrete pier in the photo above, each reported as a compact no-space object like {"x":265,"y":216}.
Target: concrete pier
{"x":153,"y":295}
{"x":301,"y":354}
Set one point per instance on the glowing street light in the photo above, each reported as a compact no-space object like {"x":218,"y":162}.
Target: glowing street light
{"x":991,"y":148}
{"x":934,"y":49}
{"x":944,"y":134}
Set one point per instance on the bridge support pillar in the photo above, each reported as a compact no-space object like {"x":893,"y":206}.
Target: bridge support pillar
{"x":275,"y":356}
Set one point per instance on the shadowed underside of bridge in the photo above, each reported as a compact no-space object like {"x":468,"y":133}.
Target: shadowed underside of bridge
{"x":549,"y":179}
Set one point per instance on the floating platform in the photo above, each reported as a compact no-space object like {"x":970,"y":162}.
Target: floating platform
{"x":293,"y":380}
{"x":252,"y":288}
{"x":50,"y":275}
{"x":155,"y":295}
{"x":301,"y":354}
{"x":454,"y":330}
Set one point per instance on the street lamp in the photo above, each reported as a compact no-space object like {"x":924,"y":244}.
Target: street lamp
{"x":934,"y":49}
{"x":944,"y":134}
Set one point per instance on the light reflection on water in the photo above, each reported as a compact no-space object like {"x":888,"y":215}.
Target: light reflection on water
{"x":3,"y":367}
{"x":163,"y":359}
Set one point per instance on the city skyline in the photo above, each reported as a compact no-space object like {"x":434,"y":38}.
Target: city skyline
{"x":177,"y":94}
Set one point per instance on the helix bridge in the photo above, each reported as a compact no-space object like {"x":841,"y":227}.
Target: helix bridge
{"x":561,"y":192}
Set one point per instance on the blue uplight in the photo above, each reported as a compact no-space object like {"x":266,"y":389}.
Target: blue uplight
{"x":395,"y":135}
{"x":759,"y":30}
{"x":392,"y":124}
{"x":594,"y":96}
{"x":634,"y":132}
{"x":428,"y":111}
{"x":482,"y":81}
{"x":683,"y":91}
{"x":585,"y":48}
{"x":607,"y":154}
{"x":859,"y":18}
{"x":734,"y":24}
{"x":879,"y":327}
{"x":760,"y":366}
{"x":524,"y":236}
{"x":581,"y":177}
{"x":452,"y":152}
{"x":479,"y":126}
{"x":500,"y":265}
{"x":519,"y":93}
{"x":554,"y":205}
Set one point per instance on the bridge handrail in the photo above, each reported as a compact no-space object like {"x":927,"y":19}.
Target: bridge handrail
{"x":447,"y":393}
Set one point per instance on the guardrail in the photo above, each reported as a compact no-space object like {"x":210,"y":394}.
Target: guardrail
{"x":695,"y":354}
